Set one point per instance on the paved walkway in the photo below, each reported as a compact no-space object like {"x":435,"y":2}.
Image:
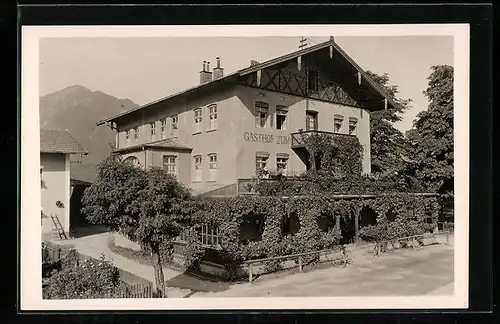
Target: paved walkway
{"x":402,"y":272}
{"x":399,"y":273}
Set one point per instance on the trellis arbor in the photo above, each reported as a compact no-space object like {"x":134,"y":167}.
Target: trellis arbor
{"x":254,"y":226}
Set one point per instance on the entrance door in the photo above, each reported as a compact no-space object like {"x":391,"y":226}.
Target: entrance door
{"x":311,"y":121}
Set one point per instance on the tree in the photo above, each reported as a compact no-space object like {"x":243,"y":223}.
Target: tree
{"x":387,"y":142}
{"x":144,"y":205}
{"x":431,"y":138}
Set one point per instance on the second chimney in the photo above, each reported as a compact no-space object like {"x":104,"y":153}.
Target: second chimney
{"x":218,"y":71}
{"x":205,"y":74}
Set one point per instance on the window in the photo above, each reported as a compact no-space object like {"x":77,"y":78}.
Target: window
{"x":261,"y":161}
{"x":197,"y":168}
{"x":251,"y":228}
{"x":42,"y":182}
{"x":337,"y":123}
{"x":282,"y":163}
{"x":197,"y":120}
{"x":136,"y":133}
{"x":163,"y":128}
{"x":261,"y":114}
{"x":312,"y":80}
{"x":281,"y":112}
{"x":353,"y":123}
{"x":169,"y":164}
{"x":311,"y":120}
{"x":212,"y":167}
{"x":132,"y":160}
{"x":209,"y":235}
{"x":410,"y":213}
{"x":212,"y":117}
{"x":127,"y":135}
{"x":290,"y":224}
{"x":175,"y":124}
{"x":153,"y":131}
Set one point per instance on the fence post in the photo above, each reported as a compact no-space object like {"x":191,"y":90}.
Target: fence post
{"x":250,"y":274}
{"x":300,"y":263}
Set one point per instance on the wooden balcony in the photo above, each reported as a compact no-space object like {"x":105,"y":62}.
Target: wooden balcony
{"x":299,"y":138}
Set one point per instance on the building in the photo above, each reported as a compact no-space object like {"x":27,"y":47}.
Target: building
{"x":215,"y":136}
{"x":56,"y":187}
{"x":82,"y":177}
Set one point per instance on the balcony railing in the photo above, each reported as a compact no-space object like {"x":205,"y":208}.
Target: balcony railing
{"x":299,"y":138}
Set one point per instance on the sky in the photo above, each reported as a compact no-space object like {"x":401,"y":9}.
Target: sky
{"x":147,"y":69}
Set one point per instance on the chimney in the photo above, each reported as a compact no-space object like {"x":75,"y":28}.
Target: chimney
{"x":205,"y":74}
{"x":253,"y":62}
{"x":218,"y":71}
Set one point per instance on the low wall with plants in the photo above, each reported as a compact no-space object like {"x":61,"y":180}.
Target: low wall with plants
{"x":229,"y":213}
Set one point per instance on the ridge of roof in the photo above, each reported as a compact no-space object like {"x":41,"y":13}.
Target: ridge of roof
{"x":259,"y":66}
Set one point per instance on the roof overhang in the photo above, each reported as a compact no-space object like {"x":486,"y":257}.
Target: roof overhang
{"x":143,"y":147}
{"x":64,"y":152}
{"x":254,"y":68}
{"x":175,"y":95}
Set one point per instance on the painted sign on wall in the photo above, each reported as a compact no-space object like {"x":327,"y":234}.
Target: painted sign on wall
{"x":266,"y":138}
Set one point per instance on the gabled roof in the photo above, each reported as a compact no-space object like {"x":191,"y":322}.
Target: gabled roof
{"x":166,"y":144}
{"x":53,"y":141}
{"x":259,"y":66}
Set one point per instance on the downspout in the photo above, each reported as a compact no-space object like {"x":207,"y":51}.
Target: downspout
{"x":145,"y":157}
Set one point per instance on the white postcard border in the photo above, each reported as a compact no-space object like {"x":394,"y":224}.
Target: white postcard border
{"x":30,"y":270}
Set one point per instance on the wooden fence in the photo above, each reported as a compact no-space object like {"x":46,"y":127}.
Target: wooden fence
{"x":140,"y":291}
{"x":299,"y":257}
{"x":53,"y":253}
{"x":376,"y":248}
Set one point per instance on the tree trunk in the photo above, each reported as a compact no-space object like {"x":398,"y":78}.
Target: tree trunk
{"x":159,"y":283}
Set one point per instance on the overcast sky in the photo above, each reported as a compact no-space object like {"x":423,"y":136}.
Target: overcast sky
{"x":146,"y":69}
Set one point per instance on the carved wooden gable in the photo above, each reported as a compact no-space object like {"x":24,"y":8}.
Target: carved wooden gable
{"x":296,"y":76}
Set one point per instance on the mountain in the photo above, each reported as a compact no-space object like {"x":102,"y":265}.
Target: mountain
{"x":78,"y":109}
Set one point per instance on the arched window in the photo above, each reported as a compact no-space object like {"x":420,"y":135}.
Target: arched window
{"x":132,"y":160}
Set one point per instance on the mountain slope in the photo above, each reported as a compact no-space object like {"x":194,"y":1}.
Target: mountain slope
{"x":78,"y":109}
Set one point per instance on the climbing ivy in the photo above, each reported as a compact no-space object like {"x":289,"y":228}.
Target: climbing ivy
{"x":334,"y":190}
{"x":338,"y":155}
{"x":227,"y":213}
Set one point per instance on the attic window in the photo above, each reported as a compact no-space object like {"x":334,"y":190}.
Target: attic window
{"x":312,"y":80}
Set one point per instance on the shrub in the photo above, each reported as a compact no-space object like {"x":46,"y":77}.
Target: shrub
{"x":83,"y":280}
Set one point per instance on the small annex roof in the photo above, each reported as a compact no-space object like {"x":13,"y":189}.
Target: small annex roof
{"x":166,"y":144}
{"x":54,"y":141}
{"x":259,"y":66}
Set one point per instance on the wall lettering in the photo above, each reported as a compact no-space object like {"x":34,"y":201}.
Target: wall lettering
{"x":266,"y":138}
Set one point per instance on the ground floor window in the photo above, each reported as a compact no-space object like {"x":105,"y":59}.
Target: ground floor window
{"x":291,"y":224}
{"x":169,"y":164}
{"x":251,"y":228}
{"x":209,"y":235}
